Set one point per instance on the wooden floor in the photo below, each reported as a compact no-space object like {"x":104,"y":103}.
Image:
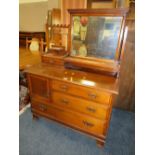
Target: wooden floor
{"x":28,"y":58}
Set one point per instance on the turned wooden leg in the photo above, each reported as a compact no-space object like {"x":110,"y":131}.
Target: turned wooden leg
{"x":99,"y":143}
{"x":35,"y":117}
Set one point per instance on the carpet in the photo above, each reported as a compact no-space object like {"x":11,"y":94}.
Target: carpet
{"x":46,"y":137}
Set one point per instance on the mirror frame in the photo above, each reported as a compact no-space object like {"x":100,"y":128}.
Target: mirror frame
{"x":112,"y":63}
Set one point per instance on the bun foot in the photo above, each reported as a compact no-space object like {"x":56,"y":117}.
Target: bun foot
{"x":35,"y":117}
{"x":99,"y":143}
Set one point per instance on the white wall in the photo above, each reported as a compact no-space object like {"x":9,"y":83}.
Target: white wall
{"x":32,"y":14}
{"x":53,"y":4}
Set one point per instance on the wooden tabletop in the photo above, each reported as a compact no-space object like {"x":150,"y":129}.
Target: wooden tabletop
{"x":101,"y":82}
{"x":28,"y":58}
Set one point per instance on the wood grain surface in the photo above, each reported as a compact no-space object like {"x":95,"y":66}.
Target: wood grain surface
{"x":27,"y":58}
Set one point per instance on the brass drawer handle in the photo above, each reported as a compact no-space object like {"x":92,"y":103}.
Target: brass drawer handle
{"x":91,"y":109}
{"x":64,"y":87}
{"x":92,"y":95}
{"x":88,"y":124}
{"x":42,"y":107}
{"x":64,"y":101}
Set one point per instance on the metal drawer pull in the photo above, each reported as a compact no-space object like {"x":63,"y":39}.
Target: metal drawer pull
{"x":64,"y":87}
{"x":91,"y":109}
{"x":42,"y":107}
{"x":64,"y":101}
{"x":92,"y":96}
{"x":88,"y":124}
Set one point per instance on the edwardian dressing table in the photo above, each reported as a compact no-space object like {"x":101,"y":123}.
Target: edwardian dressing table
{"x":75,"y":84}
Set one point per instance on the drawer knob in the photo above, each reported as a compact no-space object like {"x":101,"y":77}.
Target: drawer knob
{"x":91,"y":109}
{"x":92,"y":95}
{"x":64,"y":101}
{"x":64,"y":87}
{"x":88,"y":124}
{"x":42,"y":107}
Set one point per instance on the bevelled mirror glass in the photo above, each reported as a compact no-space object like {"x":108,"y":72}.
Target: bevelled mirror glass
{"x":95,"y":36}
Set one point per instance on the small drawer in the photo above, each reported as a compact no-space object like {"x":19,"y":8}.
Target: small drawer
{"x":85,"y":92}
{"x":80,"y":105}
{"x":52,"y":60}
{"x":40,"y":106}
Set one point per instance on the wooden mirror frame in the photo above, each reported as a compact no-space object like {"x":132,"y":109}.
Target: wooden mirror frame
{"x":102,"y":65}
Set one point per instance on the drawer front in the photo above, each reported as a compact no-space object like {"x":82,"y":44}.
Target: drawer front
{"x":53,"y":61}
{"x":88,"y":107}
{"x":85,"y":123}
{"x":88,"y":93}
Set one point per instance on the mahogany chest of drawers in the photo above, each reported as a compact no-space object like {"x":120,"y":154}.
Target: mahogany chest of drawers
{"x":79,"y":100}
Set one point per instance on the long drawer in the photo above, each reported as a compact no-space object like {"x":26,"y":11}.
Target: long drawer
{"x":88,"y":93}
{"x":81,"y":105}
{"x":84,"y":122}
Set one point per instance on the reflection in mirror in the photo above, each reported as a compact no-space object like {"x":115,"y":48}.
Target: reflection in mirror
{"x":95,"y":36}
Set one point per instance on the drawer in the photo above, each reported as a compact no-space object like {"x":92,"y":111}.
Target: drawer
{"x":85,"y":92}
{"x":52,"y":60}
{"x":81,"y":105}
{"x":42,"y":107}
{"x":79,"y":121}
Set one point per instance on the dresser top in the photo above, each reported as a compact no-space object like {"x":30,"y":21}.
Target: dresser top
{"x":97,"y":81}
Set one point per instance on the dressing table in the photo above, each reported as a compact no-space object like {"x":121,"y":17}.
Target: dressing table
{"x":76,"y":85}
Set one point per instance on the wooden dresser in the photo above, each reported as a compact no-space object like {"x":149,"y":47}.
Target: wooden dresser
{"x":77,"y":89}
{"x":80,"y":100}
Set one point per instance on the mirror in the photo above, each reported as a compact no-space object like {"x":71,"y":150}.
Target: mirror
{"x":95,"y":36}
